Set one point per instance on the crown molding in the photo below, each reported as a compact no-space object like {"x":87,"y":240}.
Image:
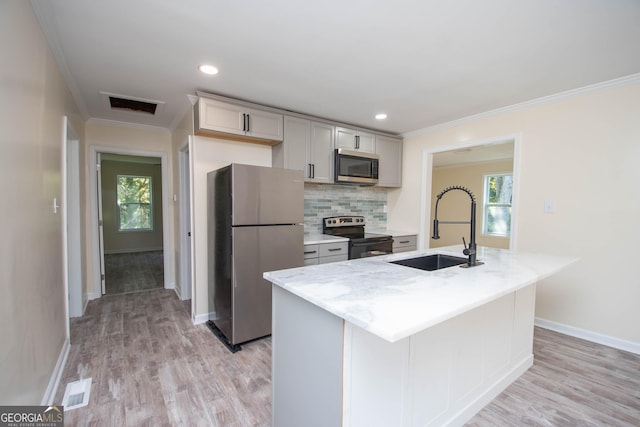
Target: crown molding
{"x":633,"y":78}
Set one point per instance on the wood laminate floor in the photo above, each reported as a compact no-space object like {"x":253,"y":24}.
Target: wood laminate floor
{"x":152,"y":367}
{"x":133,"y":272}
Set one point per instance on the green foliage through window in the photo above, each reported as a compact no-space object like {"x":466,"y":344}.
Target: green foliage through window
{"x":498,"y":191}
{"x":134,"y":202}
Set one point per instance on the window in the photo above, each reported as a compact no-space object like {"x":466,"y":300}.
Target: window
{"x":498,"y":189}
{"x":134,"y":203}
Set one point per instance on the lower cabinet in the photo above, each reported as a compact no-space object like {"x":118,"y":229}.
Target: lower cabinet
{"x":329,"y":372}
{"x":405,"y":243}
{"x":323,"y":253}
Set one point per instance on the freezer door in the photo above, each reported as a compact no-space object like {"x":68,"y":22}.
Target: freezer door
{"x":262,"y":196}
{"x":256,"y":250}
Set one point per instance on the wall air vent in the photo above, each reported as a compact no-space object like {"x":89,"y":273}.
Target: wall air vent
{"x":115,"y":102}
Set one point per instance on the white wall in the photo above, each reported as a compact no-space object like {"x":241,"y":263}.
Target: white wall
{"x":33,"y":103}
{"x":581,"y":151}
{"x":209,"y":154}
{"x":126,"y":139}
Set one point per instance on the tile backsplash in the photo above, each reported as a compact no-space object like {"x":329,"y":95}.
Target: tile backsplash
{"x":330,"y":200}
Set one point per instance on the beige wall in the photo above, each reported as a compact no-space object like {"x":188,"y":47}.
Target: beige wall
{"x":209,"y":154}
{"x":116,"y":241}
{"x":456,"y":205}
{"x":114,"y":137}
{"x":581,"y":151}
{"x":32,"y":308}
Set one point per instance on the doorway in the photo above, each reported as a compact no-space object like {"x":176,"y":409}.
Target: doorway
{"x":97,"y":289}
{"x":470,"y":164}
{"x":132,"y":235}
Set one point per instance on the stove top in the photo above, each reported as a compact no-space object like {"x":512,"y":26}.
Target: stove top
{"x":350,"y":226}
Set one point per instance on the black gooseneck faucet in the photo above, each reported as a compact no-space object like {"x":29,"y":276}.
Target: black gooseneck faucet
{"x":471,"y":249}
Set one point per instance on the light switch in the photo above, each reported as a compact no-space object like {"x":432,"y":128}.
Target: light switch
{"x":549,"y":206}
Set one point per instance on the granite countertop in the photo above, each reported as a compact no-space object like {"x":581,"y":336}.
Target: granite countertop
{"x":395,"y":302}
{"x":319,"y":238}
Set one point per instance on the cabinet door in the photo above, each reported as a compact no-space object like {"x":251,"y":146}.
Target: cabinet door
{"x":390,"y":164}
{"x":346,"y":138}
{"x":320,"y":153}
{"x":366,"y":142}
{"x":220,"y":117}
{"x":263,"y":124}
{"x":352,"y":139}
{"x":297,"y":133}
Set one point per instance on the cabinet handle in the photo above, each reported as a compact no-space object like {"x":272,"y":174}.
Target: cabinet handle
{"x":334,"y":249}
{"x":404,"y":241}
{"x":313,"y":170}
{"x":357,"y":142}
{"x":246,"y":125}
{"x":309,"y":252}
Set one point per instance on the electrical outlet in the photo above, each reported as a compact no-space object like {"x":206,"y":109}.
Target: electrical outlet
{"x":549,"y":206}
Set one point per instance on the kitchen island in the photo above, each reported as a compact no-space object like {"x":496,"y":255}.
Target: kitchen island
{"x":370,"y":343}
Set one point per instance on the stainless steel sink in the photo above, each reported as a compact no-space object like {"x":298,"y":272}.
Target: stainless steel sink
{"x":432,"y":262}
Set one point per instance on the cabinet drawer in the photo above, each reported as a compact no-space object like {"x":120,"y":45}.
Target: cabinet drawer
{"x":311,"y":251}
{"x":311,"y":261}
{"x":401,"y":241}
{"x":331,"y":249}
{"x":333,"y":258}
{"x":405,"y":243}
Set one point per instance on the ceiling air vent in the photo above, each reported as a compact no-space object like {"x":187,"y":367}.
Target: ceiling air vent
{"x":116,"y":102}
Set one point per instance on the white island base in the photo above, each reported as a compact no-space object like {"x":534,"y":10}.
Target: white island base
{"x":328,"y":372}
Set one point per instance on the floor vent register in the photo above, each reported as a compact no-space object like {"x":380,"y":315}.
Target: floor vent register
{"x":76,"y":395}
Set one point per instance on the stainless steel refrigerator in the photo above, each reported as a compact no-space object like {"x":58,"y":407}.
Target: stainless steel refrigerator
{"x":255,"y":225}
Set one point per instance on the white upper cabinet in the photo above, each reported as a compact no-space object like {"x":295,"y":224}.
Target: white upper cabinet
{"x":389,"y":151}
{"x":307,"y":146}
{"x":321,"y":152}
{"x":215,"y":117}
{"x":353,"y":139}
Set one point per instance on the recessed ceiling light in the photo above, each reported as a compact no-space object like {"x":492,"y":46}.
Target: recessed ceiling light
{"x":381,"y":116}
{"x":209,"y":69}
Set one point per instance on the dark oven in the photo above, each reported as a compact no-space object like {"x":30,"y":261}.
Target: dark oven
{"x":361,"y":244}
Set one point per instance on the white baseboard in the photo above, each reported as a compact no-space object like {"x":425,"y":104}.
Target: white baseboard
{"x":202,"y":318}
{"x":93,"y":295}
{"x":132,"y":250}
{"x":491,"y":393}
{"x":56,"y":375}
{"x":632,"y":347}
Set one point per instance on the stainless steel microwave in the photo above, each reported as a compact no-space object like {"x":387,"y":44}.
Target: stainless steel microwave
{"x":355,"y":167}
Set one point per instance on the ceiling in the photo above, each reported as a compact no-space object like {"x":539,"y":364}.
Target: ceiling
{"x":422,"y":62}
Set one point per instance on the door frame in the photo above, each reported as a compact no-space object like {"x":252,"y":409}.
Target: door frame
{"x":427,"y":182}
{"x":71,"y":222}
{"x":93,"y":202}
{"x":185,"y":167}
